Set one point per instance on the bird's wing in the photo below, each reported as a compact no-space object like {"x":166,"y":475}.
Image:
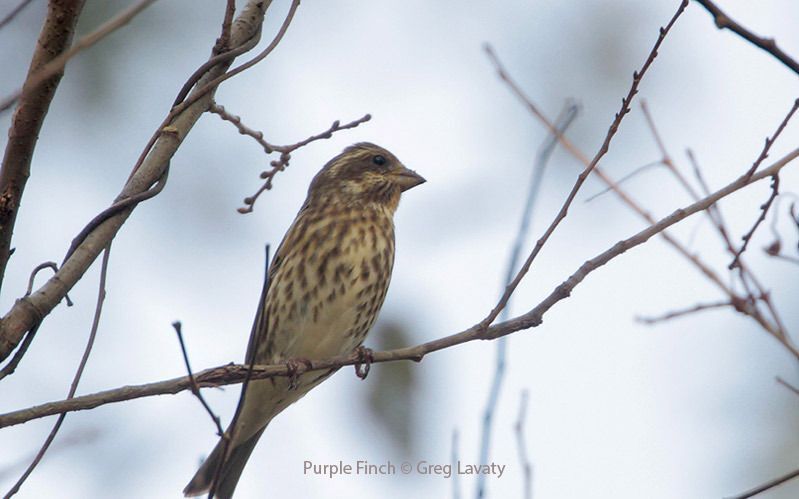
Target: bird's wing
{"x":260,"y":330}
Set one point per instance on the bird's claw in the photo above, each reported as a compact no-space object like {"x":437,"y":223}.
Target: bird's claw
{"x":294,"y":368}
{"x":365,"y":359}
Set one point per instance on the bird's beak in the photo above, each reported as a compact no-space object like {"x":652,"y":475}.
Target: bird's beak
{"x":406,"y":178}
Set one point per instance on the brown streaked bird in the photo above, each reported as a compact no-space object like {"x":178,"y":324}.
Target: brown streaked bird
{"x":326,"y":285}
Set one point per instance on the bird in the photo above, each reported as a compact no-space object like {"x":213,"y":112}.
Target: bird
{"x":324,"y":290}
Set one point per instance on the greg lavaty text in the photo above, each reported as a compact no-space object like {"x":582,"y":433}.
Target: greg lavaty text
{"x":363,"y":467}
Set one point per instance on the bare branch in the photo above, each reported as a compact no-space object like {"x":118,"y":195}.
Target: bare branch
{"x":9,"y":368}
{"x":281,"y":163}
{"x":665,"y":156}
{"x":701,"y":307}
{"x":787,"y":258}
{"x":624,"y":179}
{"x":723,"y":21}
{"x":29,"y":311}
{"x":787,"y":385}
{"x":56,"y":66}
{"x":565,"y":119}
{"x":773,"y":328}
{"x":76,"y":379}
{"x":55,"y":37}
{"x":203,"y":90}
{"x":770,"y":140}
{"x":242,"y":128}
{"x":230,"y":374}
{"x":195,"y":389}
{"x":614,"y":126}
{"x":13,"y":13}
{"x":223,"y":42}
{"x":775,"y":187}
{"x":745,"y":275}
{"x":766,"y":486}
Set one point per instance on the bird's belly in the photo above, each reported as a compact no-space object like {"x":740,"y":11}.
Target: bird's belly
{"x":324,"y":303}
{"x":331,"y":330}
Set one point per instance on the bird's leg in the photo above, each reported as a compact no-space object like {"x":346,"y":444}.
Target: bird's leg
{"x":295,"y":367}
{"x":365,"y":359}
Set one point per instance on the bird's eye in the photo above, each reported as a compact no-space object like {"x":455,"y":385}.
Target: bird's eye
{"x":379,"y":160}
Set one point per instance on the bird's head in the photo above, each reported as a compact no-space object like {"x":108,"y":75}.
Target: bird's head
{"x":361,"y":175}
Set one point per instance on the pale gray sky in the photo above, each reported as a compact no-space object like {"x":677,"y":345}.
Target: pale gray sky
{"x":686,"y":409}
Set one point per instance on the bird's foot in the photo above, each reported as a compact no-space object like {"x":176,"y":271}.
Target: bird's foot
{"x":294,"y":368}
{"x":365,"y":359}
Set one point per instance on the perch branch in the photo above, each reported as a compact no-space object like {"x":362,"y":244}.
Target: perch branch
{"x":233,"y":373}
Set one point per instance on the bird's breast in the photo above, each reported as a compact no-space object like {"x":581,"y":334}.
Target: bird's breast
{"x":330,"y":293}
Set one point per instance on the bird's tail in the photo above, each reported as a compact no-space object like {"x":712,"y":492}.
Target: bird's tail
{"x":230,"y":471}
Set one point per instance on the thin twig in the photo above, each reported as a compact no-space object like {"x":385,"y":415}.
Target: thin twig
{"x":195,"y":389}
{"x":775,"y":186}
{"x":766,"y":486}
{"x":202,"y":91}
{"x":39,"y":268}
{"x":242,"y":128}
{"x":567,"y":116}
{"x":665,"y":156}
{"x":787,"y":385}
{"x":723,"y":21}
{"x":521,"y":447}
{"x":9,"y":368}
{"x":16,"y":10}
{"x":775,"y":247}
{"x":745,"y":276}
{"x":770,"y":140}
{"x":223,"y":42}
{"x":614,"y":126}
{"x":787,"y":258}
{"x":231,"y":374}
{"x":218,"y":59}
{"x":29,"y":311}
{"x":127,"y":203}
{"x":76,"y":379}
{"x":772,"y":328}
{"x":57,"y":65}
{"x":687,"y":311}
{"x":714,"y":213}
{"x":624,"y":179}
{"x":36,"y":270}
{"x":280,"y":164}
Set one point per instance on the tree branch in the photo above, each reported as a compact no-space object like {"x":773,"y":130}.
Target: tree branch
{"x":98,"y":310}
{"x":30,"y":310}
{"x":707,"y":271}
{"x":603,"y":149}
{"x":723,"y":21}
{"x":57,"y":64}
{"x":565,"y":119}
{"x":55,"y":37}
{"x":233,"y":373}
